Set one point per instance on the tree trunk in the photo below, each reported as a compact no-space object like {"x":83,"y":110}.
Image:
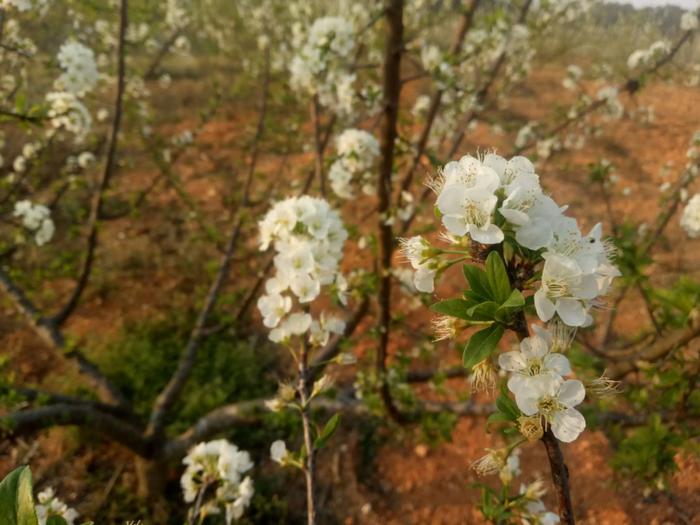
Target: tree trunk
{"x":151,"y":477}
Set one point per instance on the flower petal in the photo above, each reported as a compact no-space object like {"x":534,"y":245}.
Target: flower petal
{"x":568,"y":424}
{"x":424,"y":280}
{"x":526,"y":401}
{"x":571,"y":311}
{"x":511,"y":361}
{"x":572,"y":392}
{"x":536,"y":234}
{"x":557,"y":363}
{"x":491,"y":234}
{"x":456,"y":225}
{"x":545,"y":308}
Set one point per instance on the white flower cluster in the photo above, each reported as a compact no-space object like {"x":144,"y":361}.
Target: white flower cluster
{"x":573,"y":77}
{"x":320,"y":66}
{"x":37,"y":218}
{"x":529,"y":506}
{"x":308,"y":237}
{"x":69,"y":113}
{"x":535,"y":511}
{"x":218,"y":464}
{"x":433,"y":61}
{"x":537,"y":381}
{"x":690,"y":218}
{"x":80,"y":73}
{"x":20,"y":5}
{"x":483,"y":198}
{"x":357,"y":152}
{"x":689,"y":21}
{"x":49,"y":505}
{"x":645,"y":57}
{"x":176,"y":15}
{"x":614,"y":107}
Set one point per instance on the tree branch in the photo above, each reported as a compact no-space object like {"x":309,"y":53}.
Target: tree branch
{"x":47,"y":330}
{"x":162,"y":52}
{"x":51,"y":398}
{"x":662,"y":348}
{"x":259,"y":130}
{"x":68,"y":414}
{"x":436,"y":101}
{"x":189,"y":354}
{"x":560,"y":477}
{"x":630,"y":86}
{"x":103,"y":183}
{"x":392,"y":93}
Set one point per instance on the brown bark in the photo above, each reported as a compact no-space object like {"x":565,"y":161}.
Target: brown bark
{"x":560,"y":477}
{"x":392,"y":91}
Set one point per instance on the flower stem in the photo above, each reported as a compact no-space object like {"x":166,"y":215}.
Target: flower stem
{"x":310,"y":461}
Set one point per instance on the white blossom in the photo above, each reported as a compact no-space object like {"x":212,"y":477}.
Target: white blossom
{"x":296,"y":324}
{"x":690,"y":218}
{"x":417,"y":252}
{"x":689,"y":21}
{"x":279,"y":452}
{"x":532,"y":360}
{"x":357,"y":153}
{"x":467,"y":200}
{"x":555,"y":400}
{"x":80,"y":73}
{"x":566,"y":291}
{"x":218,"y":464}
{"x":37,"y":218}
{"x":69,"y":113}
{"x":49,"y":505}
{"x":321,"y":64}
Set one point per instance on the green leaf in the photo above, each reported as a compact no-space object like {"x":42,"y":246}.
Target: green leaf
{"x":16,"y":499}
{"x":56,"y":520}
{"x":514,"y":303}
{"x":453,"y":308}
{"x":478,"y":281}
{"x":506,"y":405}
{"x":497,"y":417}
{"x":497,"y":277}
{"x":327,"y":432}
{"x":482,"y":344}
{"x":483,"y":312}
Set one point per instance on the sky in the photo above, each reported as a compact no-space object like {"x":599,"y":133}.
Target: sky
{"x":686,"y":4}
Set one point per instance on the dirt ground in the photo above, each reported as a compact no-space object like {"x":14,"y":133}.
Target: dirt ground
{"x":411,"y":483}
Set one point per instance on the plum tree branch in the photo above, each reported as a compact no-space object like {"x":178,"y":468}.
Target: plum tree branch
{"x":51,"y":334}
{"x":70,"y":414}
{"x":436,"y":100}
{"x":392,"y":92}
{"x":103,"y":183}
{"x":630,"y":86}
{"x":659,"y":350}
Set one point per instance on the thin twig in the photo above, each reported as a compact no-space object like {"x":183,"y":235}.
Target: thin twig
{"x":162,"y":52}
{"x":318,"y":149}
{"x":304,"y":391}
{"x":259,"y":130}
{"x":172,"y":390}
{"x":630,"y":86}
{"x":436,"y":100}
{"x":103,"y":183}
